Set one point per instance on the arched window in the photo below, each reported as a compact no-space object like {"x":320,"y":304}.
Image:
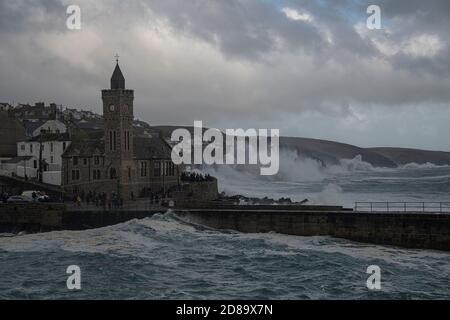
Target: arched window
{"x":112,"y":174}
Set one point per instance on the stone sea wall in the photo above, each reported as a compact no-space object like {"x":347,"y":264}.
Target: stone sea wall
{"x":408,"y":230}
{"x":421,"y":231}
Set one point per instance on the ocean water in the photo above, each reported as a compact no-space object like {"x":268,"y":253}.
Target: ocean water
{"x":165,"y":257}
{"x":351,"y":181}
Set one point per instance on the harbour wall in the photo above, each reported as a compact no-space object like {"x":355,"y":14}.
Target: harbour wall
{"x":15,"y":218}
{"x":408,"y":230}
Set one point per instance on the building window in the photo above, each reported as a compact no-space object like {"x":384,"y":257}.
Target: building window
{"x":51,"y":146}
{"x":110,"y":141}
{"x":51,"y":159}
{"x":31,"y":148}
{"x":112,"y":174}
{"x":129,"y":173}
{"x":143,"y":169}
{"x":64,"y":146}
{"x":35,"y":164}
{"x":166,"y":169}
{"x":75,"y":161}
{"x":157,"y":169}
{"x":85,"y":161}
{"x":75,"y":175}
{"x":22,"y":147}
{"x":97,"y":175}
{"x":96,"y":160}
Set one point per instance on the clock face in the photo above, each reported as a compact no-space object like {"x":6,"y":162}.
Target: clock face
{"x":112,"y":107}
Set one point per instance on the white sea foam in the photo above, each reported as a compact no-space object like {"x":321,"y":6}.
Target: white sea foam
{"x":427,"y":165}
{"x":330,"y":195}
{"x":405,"y":257}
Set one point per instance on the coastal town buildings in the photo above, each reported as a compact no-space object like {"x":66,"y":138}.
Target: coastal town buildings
{"x":37,"y":112}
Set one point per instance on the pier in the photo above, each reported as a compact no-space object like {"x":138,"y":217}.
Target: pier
{"x":407,"y":230}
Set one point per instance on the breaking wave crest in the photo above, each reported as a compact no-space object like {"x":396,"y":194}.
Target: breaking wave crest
{"x":427,"y":165}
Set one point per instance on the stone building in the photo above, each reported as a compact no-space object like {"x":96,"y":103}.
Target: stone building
{"x":121,"y":162}
{"x":11,"y":131}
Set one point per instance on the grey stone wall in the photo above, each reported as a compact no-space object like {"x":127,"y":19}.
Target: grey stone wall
{"x":197,"y":193}
{"x":423,"y":231}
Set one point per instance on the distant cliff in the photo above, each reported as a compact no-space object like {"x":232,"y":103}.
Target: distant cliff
{"x":402,"y":156}
{"x":331,"y":152}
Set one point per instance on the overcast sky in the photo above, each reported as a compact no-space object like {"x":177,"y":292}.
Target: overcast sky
{"x":309,"y":68}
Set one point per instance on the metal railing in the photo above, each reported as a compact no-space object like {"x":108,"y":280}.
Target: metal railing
{"x":409,"y":207}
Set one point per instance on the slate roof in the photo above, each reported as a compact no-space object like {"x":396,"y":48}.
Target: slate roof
{"x":85,"y":148}
{"x":117,"y":79}
{"x":151,"y":148}
{"x":31,"y":126}
{"x":16,"y":160}
{"x":145,"y":148}
{"x":51,"y":137}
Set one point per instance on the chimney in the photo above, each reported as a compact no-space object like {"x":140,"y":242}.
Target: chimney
{"x":53,"y":109}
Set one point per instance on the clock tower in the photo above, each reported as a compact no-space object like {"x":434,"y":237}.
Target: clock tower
{"x":118,"y":118}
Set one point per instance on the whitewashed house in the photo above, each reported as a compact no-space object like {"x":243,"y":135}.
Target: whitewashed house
{"x":26,"y":166}
{"x":48,"y":147}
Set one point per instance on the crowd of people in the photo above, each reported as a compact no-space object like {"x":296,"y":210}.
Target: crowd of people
{"x":195,"y":177}
{"x":102,"y":200}
{"x":99,"y":199}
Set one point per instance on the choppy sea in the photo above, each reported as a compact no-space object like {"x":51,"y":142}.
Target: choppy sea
{"x":165,"y":257}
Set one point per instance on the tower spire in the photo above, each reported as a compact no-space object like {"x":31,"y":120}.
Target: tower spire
{"x":117,"y":79}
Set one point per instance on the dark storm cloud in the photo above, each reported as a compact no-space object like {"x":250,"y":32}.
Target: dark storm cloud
{"x":246,"y":29}
{"x":231,"y":61}
{"x":414,"y":18}
{"x":23,"y":15}
{"x":249,"y":29}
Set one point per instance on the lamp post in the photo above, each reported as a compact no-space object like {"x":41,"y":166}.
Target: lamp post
{"x":164,"y":176}
{"x":40,"y":158}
